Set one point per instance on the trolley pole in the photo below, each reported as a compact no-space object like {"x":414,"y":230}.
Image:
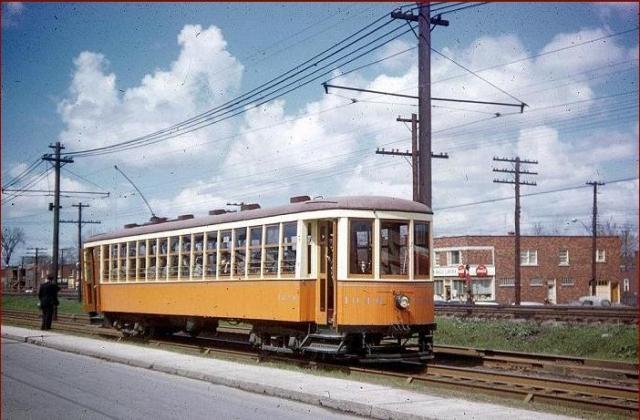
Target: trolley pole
{"x":517,"y":171}
{"x":594,"y":234}
{"x":57,"y":161}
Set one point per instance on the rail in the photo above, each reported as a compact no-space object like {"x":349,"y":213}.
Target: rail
{"x":557,"y":313}
{"x":618,"y":396}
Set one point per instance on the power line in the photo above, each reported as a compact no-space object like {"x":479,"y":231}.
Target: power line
{"x":562,"y":189}
{"x":32,"y":167}
{"x":84,"y":179}
{"x":477,"y":75}
{"x":310,"y":63}
{"x":557,"y":50}
{"x":240,"y":109}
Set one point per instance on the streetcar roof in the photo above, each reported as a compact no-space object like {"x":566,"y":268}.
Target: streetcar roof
{"x":378,"y":203}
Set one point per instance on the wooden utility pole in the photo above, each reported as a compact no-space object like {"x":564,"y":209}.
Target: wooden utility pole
{"x":517,"y":181}
{"x":415,"y":154}
{"x":80,"y":222}
{"x":594,"y":234}
{"x":425,"y":21}
{"x":35,"y":274}
{"x":57,"y":161}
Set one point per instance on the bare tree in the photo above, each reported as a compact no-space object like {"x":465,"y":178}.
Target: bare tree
{"x":11,"y":237}
{"x":538,"y":229}
{"x":628,"y":239}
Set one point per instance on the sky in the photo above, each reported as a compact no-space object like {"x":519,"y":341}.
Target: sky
{"x":96,"y":74}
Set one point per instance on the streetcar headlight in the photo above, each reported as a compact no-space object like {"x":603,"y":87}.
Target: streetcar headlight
{"x":402,"y":301}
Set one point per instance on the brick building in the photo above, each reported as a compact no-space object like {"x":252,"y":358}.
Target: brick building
{"x":630,"y":281}
{"x":553,"y":268}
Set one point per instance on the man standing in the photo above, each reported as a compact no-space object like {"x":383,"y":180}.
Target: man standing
{"x":48,"y":295}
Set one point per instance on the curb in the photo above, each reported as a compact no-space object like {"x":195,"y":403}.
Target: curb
{"x":345,"y":406}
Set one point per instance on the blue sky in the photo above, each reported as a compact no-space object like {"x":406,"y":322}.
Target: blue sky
{"x":53,"y":55}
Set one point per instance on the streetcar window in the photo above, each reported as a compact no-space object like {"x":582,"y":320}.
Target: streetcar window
{"x":163,"y":246}
{"x":172,"y":258}
{"x":225,"y":254}
{"x":152,"y":268}
{"x":175,"y":245}
{"x":421,"y":249}
{"x":255,"y":250}
{"x":289,"y":242}
{"x":360,"y":253}
{"x":271,"y":249}
{"x":185,"y":257}
{"x":198,"y":248}
{"x":131,"y":261}
{"x":212,"y":253}
{"x":141,"y":260}
{"x":105,"y":263}
{"x":122,"y":262}
{"x":162,"y":260}
{"x":240,"y":252}
{"x":394,"y":255}
{"x":162,"y":268}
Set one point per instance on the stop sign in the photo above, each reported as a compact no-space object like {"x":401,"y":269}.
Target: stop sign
{"x":481,"y":271}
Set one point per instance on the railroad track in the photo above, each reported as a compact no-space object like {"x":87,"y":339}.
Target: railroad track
{"x":555,"y":313}
{"x":596,"y":394}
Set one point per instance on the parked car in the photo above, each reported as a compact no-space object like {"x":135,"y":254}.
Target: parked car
{"x":594,"y":301}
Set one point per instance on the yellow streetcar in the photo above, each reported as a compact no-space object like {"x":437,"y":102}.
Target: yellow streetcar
{"x":348,"y":277}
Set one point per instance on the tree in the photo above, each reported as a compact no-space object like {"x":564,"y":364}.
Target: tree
{"x":628,"y":239}
{"x":11,"y":237}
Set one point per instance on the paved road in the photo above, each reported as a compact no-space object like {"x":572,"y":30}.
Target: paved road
{"x":41,"y":383}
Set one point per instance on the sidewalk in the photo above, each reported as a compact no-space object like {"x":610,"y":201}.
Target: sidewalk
{"x":360,"y":398}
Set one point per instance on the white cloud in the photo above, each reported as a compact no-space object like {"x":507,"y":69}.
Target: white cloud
{"x":326,"y":147}
{"x":96,"y":114}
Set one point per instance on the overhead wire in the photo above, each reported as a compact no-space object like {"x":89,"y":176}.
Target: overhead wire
{"x":298,"y":69}
{"x":13,"y":195}
{"x":556,"y":190}
{"x":237,"y":110}
{"x":30,"y":168}
{"x":220,"y":108}
{"x":477,"y":75}
{"x":542,"y":54}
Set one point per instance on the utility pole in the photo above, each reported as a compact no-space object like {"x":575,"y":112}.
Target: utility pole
{"x":80,"y":222}
{"x":415,"y":154}
{"x":594,"y":234}
{"x":517,"y":181}
{"x":57,"y":161}
{"x":35,"y":275}
{"x":424,"y":93}
{"x":62,"y":261}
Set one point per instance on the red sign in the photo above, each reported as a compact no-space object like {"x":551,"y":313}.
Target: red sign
{"x":461,"y":271}
{"x":481,"y":271}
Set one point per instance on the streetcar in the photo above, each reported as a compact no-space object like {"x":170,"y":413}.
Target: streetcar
{"x":345,"y":277}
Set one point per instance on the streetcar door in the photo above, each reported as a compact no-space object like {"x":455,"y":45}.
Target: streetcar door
{"x":325,"y":287}
{"x":89,"y":282}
